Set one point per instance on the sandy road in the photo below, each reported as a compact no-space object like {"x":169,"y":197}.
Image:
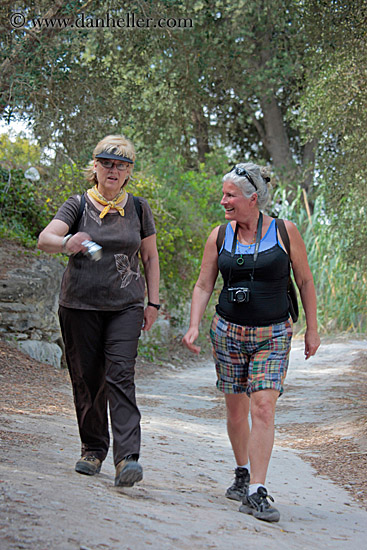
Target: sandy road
{"x":187,"y":464}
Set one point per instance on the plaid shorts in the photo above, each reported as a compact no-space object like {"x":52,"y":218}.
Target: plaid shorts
{"x":249,"y":359}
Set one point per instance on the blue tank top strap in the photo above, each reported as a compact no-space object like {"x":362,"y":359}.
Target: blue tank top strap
{"x":268,"y":241}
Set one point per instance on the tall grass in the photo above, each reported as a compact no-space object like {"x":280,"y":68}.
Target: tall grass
{"x":341,"y":287}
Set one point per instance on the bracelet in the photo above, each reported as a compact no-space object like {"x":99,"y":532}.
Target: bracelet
{"x":64,"y":241}
{"x":157,"y":306}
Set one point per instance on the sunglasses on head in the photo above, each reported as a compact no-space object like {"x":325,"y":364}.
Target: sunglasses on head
{"x":243,"y":172}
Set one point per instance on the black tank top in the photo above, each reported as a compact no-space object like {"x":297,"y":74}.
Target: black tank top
{"x":268,"y":299}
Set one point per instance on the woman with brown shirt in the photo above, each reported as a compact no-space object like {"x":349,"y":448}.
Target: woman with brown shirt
{"x":101,"y":305}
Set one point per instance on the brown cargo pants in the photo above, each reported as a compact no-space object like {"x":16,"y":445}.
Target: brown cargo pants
{"x":101,"y":348}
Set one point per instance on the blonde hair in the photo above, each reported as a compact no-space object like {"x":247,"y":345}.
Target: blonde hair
{"x":115,"y":144}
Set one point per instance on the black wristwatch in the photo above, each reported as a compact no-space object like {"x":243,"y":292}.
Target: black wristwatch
{"x":157,"y":306}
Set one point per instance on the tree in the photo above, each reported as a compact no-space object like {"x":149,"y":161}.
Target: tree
{"x":221,"y":81}
{"x":18,"y":153}
{"x":229,"y":78}
{"x":25,"y":50}
{"x":45,"y":78}
{"x":333,"y":110}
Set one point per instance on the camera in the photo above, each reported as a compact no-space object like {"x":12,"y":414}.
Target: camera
{"x":93,"y":252}
{"x":238,"y":294}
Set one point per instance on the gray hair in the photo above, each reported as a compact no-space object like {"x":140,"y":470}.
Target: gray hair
{"x":260,"y":177}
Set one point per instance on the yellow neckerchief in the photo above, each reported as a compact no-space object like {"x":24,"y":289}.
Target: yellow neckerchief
{"x":96,"y":195}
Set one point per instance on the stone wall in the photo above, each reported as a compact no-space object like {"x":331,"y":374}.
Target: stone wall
{"x":29,"y":289}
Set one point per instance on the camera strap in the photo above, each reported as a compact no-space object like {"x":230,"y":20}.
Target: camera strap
{"x":257,"y":246}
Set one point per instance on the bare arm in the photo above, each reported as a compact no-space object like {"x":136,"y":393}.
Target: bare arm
{"x":150,"y":259}
{"x":52,"y":237}
{"x":304,"y":280}
{"x":203,"y":290}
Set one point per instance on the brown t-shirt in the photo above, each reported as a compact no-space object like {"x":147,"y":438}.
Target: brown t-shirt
{"x":115,"y":281}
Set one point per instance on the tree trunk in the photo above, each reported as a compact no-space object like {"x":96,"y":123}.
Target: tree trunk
{"x":201,"y":133}
{"x":275,"y":137}
{"x":308,"y":164}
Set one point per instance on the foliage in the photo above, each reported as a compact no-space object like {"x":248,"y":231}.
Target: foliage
{"x":22,"y":212}
{"x":186,"y":208}
{"x":18,"y":153}
{"x":217,"y":82}
{"x":340,"y":286}
{"x":27,"y":206}
{"x":209,"y":82}
{"x":45,"y":79}
{"x":333,"y":109}
{"x":69,"y":180}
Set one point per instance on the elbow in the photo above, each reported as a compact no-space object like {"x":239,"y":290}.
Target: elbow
{"x":306,"y":286}
{"x":149,"y":261}
{"x":41,"y":241}
{"x":204,"y":287}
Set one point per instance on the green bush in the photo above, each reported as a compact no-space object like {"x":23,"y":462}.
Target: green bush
{"x":340,"y":285}
{"x":22,"y":211}
{"x":186,"y":208}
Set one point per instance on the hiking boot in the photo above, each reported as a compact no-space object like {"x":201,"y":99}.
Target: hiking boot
{"x":88,"y":465}
{"x":258,"y":505}
{"x":128,"y":472}
{"x":238,"y":490}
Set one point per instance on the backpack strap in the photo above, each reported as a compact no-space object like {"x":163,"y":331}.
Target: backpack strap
{"x":220,"y":236}
{"x":139,"y":213}
{"x":74,"y":227}
{"x":284,"y":234}
{"x":292,"y":293}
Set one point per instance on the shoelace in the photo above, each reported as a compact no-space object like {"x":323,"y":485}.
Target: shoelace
{"x":262,"y":503}
{"x":264,"y":494}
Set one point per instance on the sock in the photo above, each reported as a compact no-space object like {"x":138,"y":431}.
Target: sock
{"x":254,"y":487}
{"x":247,"y":466}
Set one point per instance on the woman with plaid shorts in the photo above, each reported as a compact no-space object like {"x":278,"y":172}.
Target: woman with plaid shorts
{"x":251,"y":330}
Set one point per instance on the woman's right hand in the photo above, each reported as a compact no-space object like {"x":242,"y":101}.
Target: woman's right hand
{"x":51,"y":239}
{"x":189,"y":339}
{"x":203,"y":290}
{"x":74,"y":244}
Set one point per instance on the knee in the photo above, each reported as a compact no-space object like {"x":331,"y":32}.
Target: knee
{"x":236,"y":416}
{"x":263,"y":410}
{"x":237,"y":406}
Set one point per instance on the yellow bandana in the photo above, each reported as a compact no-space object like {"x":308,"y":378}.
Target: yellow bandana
{"x":96,"y":195}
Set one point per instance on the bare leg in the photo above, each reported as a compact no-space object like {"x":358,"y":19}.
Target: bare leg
{"x":238,"y":425}
{"x":262,"y":432}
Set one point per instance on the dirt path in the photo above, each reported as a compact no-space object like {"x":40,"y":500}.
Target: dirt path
{"x":187,"y":462}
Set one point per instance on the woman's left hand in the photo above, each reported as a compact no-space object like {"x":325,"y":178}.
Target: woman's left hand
{"x":306,"y":287}
{"x":149,"y":256}
{"x":312,"y":343}
{"x":150,"y":316}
